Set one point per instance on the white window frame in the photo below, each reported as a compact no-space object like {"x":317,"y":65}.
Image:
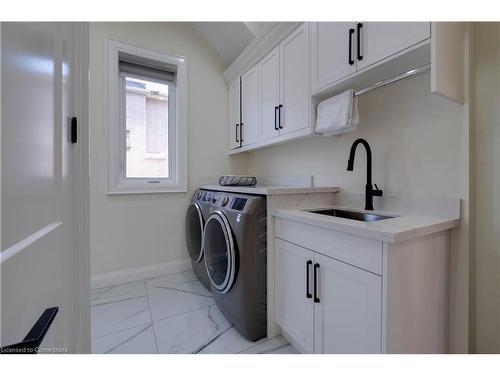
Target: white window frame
{"x":118,"y":183}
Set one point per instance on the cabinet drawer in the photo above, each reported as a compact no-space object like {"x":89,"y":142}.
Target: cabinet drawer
{"x":357,"y":251}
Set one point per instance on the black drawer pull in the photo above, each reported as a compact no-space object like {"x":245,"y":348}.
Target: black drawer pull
{"x":34,"y":338}
{"x":351,"y":60}
{"x":316,"y":272}
{"x":308,"y":293}
{"x":358,"y":37}
{"x":236,"y":139}
{"x":279,"y":116}
{"x":275,"y":118}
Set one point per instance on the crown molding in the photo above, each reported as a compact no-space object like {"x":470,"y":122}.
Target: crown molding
{"x":269,"y":38}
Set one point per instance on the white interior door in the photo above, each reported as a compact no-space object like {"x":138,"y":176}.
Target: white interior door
{"x":40,"y":263}
{"x":294,"y":82}
{"x":250,"y":106}
{"x":330,"y":52}
{"x":269,"y":94}
{"x":379,"y":40}
{"x":294,"y":304}
{"x":348,"y":315}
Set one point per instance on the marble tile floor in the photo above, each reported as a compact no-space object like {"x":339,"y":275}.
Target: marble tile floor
{"x":168,"y":314}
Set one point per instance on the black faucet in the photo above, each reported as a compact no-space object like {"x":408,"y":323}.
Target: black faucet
{"x":369,"y":191}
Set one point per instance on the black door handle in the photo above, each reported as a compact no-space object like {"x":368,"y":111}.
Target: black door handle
{"x":308,"y":293}
{"x":279,"y":116}
{"x":316,"y":269}
{"x":275,"y":117}
{"x":236,"y":139}
{"x":358,"y":37}
{"x":34,"y":338}
{"x":351,"y":60}
{"x":241,"y":133}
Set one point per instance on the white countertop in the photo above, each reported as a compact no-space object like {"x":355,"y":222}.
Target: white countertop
{"x":271,"y":190}
{"x":401,"y":227}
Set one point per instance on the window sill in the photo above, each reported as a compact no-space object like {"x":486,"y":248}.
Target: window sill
{"x":157,"y":191}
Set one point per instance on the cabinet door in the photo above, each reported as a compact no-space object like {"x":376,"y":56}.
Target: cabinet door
{"x":294,"y":59}
{"x":250,"y":106}
{"x":294,"y":310}
{"x":234,"y":114}
{"x":330,"y":52}
{"x":379,"y":40}
{"x":269,"y":93}
{"x":348,"y":314}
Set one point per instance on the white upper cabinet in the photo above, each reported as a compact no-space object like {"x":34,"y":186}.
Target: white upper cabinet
{"x":250,"y":106}
{"x":348,"y":313}
{"x":379,"y":40}
{"x":269,"y":68}
{"x":332,"y":59}
{"x":293,"y":114}
{"x":294,"y":307}
{"x":340,"y":50}
{"x":234,"y":114}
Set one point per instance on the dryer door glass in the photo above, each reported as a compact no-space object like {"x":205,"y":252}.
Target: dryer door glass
{"x":219,"y":252}
{"x":194,"y":232}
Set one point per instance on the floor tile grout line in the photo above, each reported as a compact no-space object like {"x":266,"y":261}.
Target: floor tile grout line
{"x":158,"y":320}
{"x":152,"y":322}
{"x":129,"y":338}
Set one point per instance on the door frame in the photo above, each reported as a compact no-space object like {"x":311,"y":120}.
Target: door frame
{"x":82,"y":188}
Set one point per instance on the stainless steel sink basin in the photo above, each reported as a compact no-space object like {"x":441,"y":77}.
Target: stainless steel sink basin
{"x":353,"y":215}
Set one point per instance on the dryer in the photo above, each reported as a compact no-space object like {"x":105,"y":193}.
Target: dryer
{"x":196,"y":216}
{"x":235,"y":248}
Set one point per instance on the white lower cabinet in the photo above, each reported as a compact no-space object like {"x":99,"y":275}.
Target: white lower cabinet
{"x":347,"y":317}
{"x":294,"y":310}
{"x":324,"y":305}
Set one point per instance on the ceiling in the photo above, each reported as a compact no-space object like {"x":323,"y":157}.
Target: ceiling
{"x":228,"y":39}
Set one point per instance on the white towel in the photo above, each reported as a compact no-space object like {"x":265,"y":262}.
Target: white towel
{"x":338,"y":114}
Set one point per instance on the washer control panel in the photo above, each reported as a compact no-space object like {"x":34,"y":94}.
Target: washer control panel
{"x":225,"y":200}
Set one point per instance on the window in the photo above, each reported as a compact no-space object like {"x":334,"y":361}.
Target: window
{"x":147,"y":121}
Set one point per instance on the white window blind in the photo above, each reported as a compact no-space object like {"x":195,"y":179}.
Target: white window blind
{"x":142,"y":67}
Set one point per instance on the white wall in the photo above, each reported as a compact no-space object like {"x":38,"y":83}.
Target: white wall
{"x":487,"y":187}
{"x":139,"y":230}
{"x":420,"y":149}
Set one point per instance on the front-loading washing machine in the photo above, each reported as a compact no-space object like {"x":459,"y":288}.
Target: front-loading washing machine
{"x":235,"y":247}
{"x":196,"y":216}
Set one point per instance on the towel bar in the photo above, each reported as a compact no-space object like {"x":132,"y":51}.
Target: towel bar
{"x":398,"y":78}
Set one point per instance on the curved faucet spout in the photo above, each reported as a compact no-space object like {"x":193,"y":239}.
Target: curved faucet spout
{"x":369,"y":191}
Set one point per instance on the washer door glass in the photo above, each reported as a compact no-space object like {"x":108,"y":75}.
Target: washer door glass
{"x":194,"y":232}
{"x":219,"y":252}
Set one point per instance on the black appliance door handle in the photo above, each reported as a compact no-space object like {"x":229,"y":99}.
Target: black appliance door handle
{"x":275,"y":118}
{"x":34,"y":338}
{"x":236,"y":139}
{"x":316,"y":272}
{"x":279,"y":116}
{"x":351,"y":60}
{"x":241,"y":133}
{"x":308,"y":293}
{"x":358,"y":37}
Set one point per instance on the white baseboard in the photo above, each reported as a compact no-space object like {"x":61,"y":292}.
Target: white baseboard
{"x":134,"y":274}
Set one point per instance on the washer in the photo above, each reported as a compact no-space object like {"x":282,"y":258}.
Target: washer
{"x":196,"y":216}
{"x":236,"y":260}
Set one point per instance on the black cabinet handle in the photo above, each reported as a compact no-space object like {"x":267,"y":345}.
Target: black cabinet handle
{"x":34,"y":338}
{"x":308,"y":293}
{"x":351,"y":60}
{"x":275,"y":117}
{"x":316,"y":271}
{"x":241,"y":133}
{"x":358,"y":37}
{"x":236,"y":138}
{"x":279,"y":116}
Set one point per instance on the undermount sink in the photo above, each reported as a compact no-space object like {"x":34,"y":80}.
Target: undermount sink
{"x":353,"y":215}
